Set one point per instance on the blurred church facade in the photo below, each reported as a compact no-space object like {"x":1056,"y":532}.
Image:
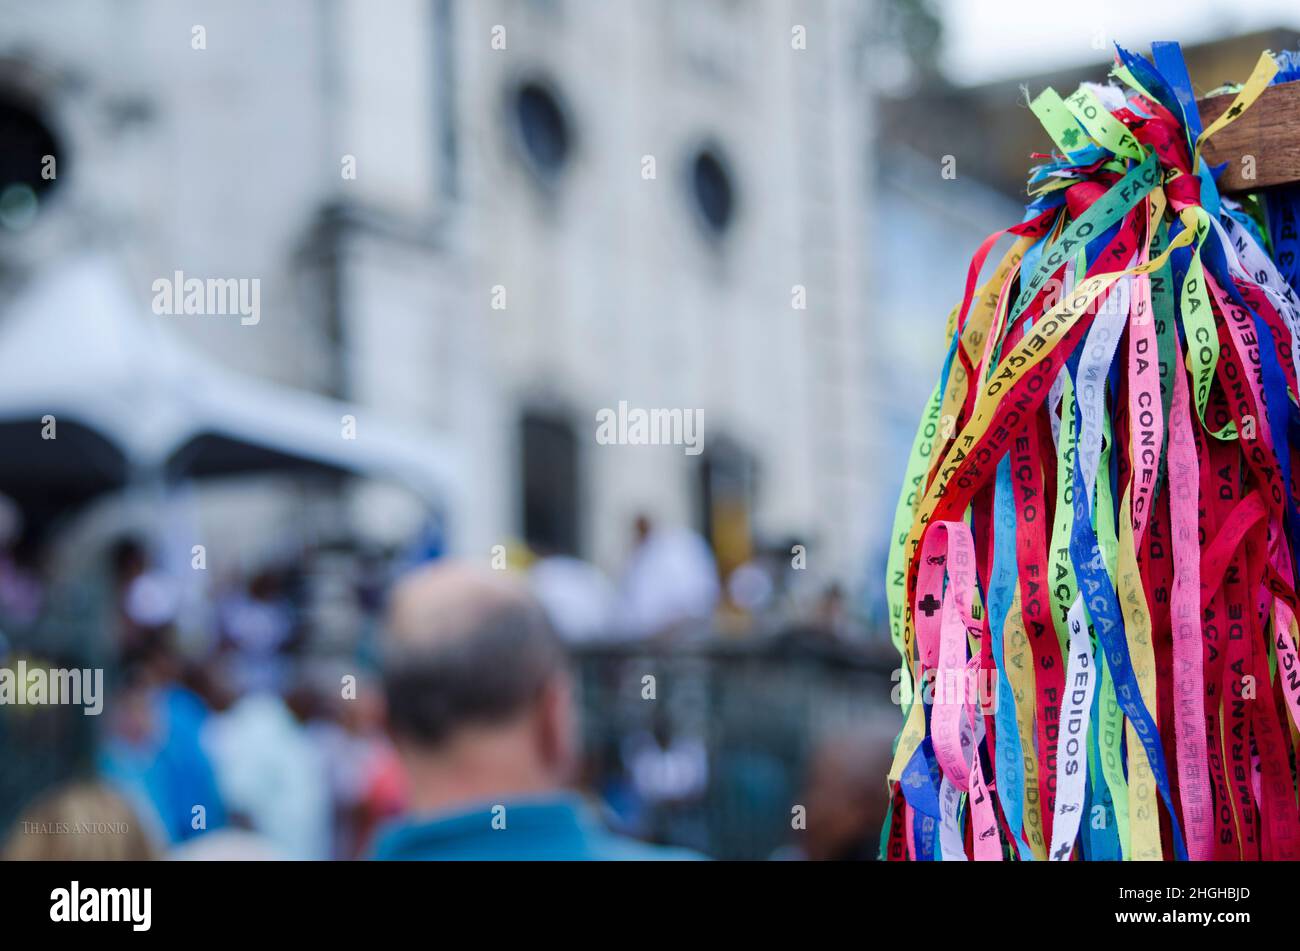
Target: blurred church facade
{"x":492,"y":220}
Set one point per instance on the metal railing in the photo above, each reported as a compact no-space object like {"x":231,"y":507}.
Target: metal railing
{"x":757,"y":708}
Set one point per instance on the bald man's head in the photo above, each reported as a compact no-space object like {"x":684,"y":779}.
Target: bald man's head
{"x":464,"y":647}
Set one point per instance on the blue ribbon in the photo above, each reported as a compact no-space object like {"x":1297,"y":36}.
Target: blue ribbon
{"x":1002,"y":586}
{"x":1103,"y":608}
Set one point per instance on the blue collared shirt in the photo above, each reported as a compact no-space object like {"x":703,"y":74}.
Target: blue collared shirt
{"x":554,"y":828}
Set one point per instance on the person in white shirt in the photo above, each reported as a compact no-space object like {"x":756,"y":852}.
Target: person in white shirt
{"x":670,"y":580}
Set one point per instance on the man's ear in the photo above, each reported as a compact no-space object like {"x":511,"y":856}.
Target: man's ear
{"x":556,"y":729}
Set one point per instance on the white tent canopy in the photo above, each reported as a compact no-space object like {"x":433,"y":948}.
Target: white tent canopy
{"x":74,"y":345}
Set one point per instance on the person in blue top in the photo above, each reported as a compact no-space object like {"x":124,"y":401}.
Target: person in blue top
{"x":481,"y":713}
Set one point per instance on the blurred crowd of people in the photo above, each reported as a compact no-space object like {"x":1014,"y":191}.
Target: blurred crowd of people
{"x":255,"y":740}
{"x":253,"y":732}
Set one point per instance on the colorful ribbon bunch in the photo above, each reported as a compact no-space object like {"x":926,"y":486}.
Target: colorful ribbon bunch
{"x":1093,"y":574}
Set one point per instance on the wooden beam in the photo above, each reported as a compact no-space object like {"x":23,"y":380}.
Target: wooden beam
{"x":1269,"y":132}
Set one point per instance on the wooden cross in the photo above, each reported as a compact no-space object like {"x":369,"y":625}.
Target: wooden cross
{"x":1265,"y":140}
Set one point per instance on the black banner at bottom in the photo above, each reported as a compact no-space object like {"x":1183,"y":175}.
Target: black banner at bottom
{"x":337,"y":900}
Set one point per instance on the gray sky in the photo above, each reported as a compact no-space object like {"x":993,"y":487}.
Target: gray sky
{"x":985,"y":40}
